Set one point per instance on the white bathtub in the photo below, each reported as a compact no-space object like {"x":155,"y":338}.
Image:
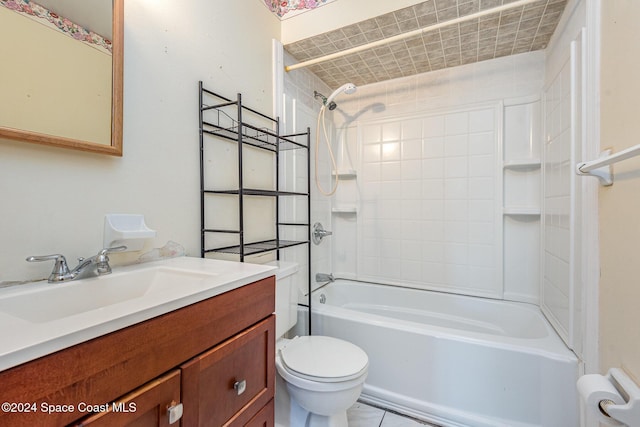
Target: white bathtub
{"x":451,"y":359}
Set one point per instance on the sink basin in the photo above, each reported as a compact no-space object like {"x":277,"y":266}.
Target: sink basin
{"x":40,"y":318}
{"x":68,"y":299}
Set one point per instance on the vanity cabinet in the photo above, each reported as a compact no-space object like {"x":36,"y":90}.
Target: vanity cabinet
{"x":194,"y":356}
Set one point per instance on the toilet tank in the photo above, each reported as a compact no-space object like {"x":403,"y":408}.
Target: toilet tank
{"x":286,"y":296}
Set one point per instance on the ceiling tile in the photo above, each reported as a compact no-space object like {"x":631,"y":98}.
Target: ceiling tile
{"x":510,"y":32}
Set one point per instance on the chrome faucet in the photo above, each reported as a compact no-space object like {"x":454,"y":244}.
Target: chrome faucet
{"x":324,"y":277}
{"x":95,"y":266}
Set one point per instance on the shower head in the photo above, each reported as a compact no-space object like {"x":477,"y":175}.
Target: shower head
{"x":347,"y":88}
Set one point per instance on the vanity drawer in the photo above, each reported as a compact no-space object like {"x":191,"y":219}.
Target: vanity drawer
{"x":229,"y":384}
{"x":147,"y":406}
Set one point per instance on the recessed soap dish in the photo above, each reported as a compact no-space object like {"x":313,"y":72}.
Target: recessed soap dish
{"x":129,"y":230}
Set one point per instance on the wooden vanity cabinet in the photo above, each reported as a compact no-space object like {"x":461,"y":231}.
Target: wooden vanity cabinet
{"x":193,"y":355}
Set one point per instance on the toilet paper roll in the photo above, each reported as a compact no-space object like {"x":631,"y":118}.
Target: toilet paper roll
{"x":594,"y":388}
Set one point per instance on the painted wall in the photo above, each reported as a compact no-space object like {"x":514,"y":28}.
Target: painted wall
{"x":619,"y":204}
{"x":54,"y":200}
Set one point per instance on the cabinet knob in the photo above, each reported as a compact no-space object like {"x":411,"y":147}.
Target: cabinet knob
{"x":174,"y":412}
{"x":240,"y":386}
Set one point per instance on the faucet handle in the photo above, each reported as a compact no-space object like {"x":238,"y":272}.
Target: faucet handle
{"x":106,"y":251}
{"x":102,"y":260}
{"x":60,"y":269}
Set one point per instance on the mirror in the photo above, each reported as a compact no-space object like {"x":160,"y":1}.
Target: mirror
{"x":61,"y":85}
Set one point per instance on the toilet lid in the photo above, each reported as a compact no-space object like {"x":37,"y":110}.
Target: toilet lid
{"x":324,"y":358}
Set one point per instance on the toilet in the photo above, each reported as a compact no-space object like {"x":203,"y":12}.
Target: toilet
{"x":319,"y":377}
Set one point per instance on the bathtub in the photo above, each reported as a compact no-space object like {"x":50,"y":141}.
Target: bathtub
{"x":453,"y":360}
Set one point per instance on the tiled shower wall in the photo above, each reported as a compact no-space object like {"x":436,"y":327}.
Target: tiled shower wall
{"x":425,"y":204}
{"x":430,"y":197}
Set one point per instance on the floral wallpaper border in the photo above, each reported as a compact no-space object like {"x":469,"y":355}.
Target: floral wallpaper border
{"x":35,"y":11}
{"x":281,"y":7}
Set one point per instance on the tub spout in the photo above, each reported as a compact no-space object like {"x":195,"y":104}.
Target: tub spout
{"x":324,"y":277}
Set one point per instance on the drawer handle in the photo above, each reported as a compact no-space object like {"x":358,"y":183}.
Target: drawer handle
{"x":240,"y":386}
{"x":174,"y":412}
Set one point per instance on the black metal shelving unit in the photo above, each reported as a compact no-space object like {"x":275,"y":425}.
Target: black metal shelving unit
{"x":223,"y":118}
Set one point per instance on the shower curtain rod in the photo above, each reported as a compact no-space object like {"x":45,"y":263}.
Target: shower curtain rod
{"x":413,"y":33}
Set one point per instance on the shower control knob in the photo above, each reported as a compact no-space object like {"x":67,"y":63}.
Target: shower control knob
{"x":319,"y":233}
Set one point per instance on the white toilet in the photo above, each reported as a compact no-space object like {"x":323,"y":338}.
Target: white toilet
{"x":319,"y":377}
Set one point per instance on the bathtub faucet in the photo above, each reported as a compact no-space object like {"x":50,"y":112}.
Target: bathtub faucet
{"x":324,"y":277}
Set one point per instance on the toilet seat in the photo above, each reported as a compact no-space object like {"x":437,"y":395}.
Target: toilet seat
{"x":323,"y":359}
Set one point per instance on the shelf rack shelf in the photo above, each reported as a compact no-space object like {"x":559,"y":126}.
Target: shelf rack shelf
{"x":223,"y":118}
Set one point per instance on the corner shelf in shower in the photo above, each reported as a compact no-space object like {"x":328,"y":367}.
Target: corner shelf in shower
{"x":345,"y":174}
{"x":521,"y":211}
{"x":225,"y":119}
{"x":349,"y":210}
{"x":522,"y":164}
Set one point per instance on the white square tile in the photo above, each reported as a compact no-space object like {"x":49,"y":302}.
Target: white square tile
{"x":433,"y":147}
{"x":456,"y":231}
{"x":433,"y":126}
{"x":371,"y":133}
{"x":455,"y":167}
{"x":433,"y":188}
{"x":482,"y":143}
{"x":410,"y":209}
{"x":481,"y":256}
{"x":482,"y":166}
{"x":433,"y":272}
{"x":457,"y":123}
{"x":481,"y":121}
{"x":390,"y":171}
{"x":456,"y":275}
{"x":391,"y":131}
{"x":456,"y":253}
{"x":361,"y":415}
{"x":481,"y":210}
{"x":433,"y":252}
{"x":432,"y":231}
{"x":390,"y":190}
{"x":455,"y":145}
{"x":411,"y":129}
{"x":481,"y":233}
{"x":394,"y":420}
{"x":411,"y":189}
{"x":411,"y":169}
{"x":411,"y":149}
{"x":432,"y":210}
{"x":432,"y":168}
{"x":456,"y":210}
{"x":390,"y":151}
{"x":371,"y":153}
{"x":371,"y":172}
{"x":455,"y":188}
{"x":481,"y":188}
{"x":411,"y":270}
{"x":412,"y":230}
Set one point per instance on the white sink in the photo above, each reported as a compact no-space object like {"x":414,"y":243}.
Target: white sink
{"x":40,"y":318}
{"x":68,"y":299}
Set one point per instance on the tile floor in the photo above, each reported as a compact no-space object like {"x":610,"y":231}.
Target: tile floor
{"x":363,"y":415}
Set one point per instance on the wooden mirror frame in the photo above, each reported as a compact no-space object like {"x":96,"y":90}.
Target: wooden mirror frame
{"x":115,"y":148}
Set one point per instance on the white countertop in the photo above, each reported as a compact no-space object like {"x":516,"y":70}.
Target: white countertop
{"x":28,"y":337}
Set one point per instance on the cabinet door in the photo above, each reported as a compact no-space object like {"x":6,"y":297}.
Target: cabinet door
{"x":148,"y":406}
{"x":264,"y":418}
{"x":229,"y":384}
